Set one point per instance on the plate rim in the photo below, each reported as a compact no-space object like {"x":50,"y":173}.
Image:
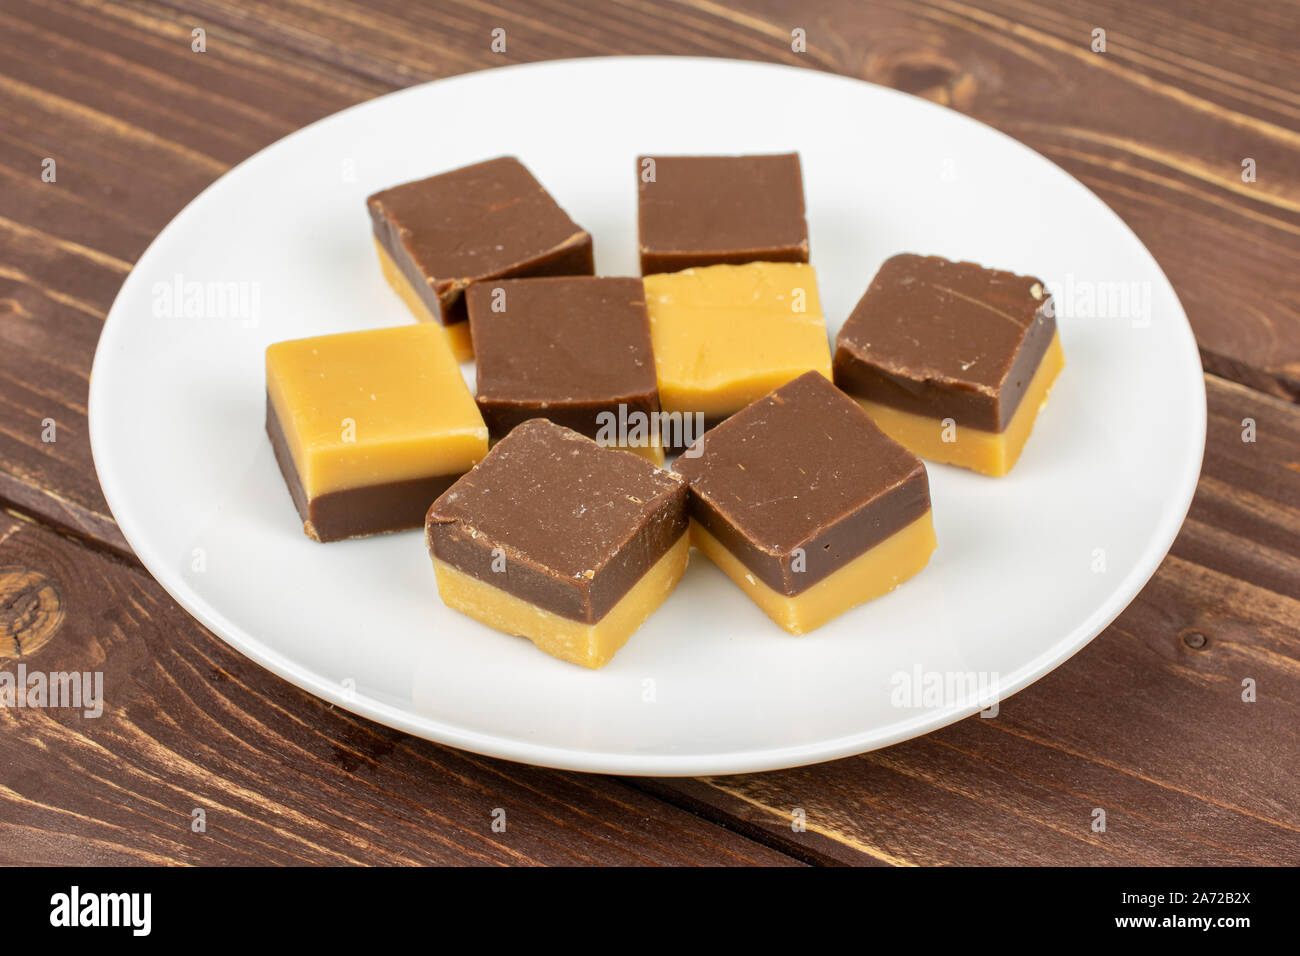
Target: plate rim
{"x":1155,"y":549}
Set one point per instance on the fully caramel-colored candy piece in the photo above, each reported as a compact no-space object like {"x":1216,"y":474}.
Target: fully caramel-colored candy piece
{"x":725,"y":336}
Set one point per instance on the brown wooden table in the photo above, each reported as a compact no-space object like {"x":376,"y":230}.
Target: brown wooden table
{"x":1147,"y":723}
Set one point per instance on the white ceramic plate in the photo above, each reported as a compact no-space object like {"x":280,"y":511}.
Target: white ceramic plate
{"x":1029,"y":567}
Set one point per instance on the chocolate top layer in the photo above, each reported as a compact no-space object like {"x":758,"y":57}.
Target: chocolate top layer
{"x":706,"y":210}
{"x":490,"y":219}
{"x":946,"y":339}
{"x":803,"y":468}
{"x":561,"y":348}
{"x":577,"y":524}
{"x":561,"y":339}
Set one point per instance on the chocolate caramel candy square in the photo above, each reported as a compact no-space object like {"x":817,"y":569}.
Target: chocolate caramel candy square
{"x":369,"y":427}
{"x":572,"y":349}
{"x":951,"y":359}
{"x":808,"y":506}
{"x":710,"y":210}
{"x":554,"y":538}
{"x":491,"y":220}
{"x":726,"y":335}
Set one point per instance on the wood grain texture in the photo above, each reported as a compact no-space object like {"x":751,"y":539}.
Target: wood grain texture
{"x":1146,"y":723}
{"x":282,"y":778}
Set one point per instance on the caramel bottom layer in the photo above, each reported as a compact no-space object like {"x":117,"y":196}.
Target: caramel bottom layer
{"x":591,"y":645}
{"x":457,"y":332}
{"x":876,"y":571}
{"x":990,"y":453}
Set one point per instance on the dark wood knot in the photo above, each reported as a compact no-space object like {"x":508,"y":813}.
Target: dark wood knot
{"x":932,"y":75}
{"x":31,"y":611}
